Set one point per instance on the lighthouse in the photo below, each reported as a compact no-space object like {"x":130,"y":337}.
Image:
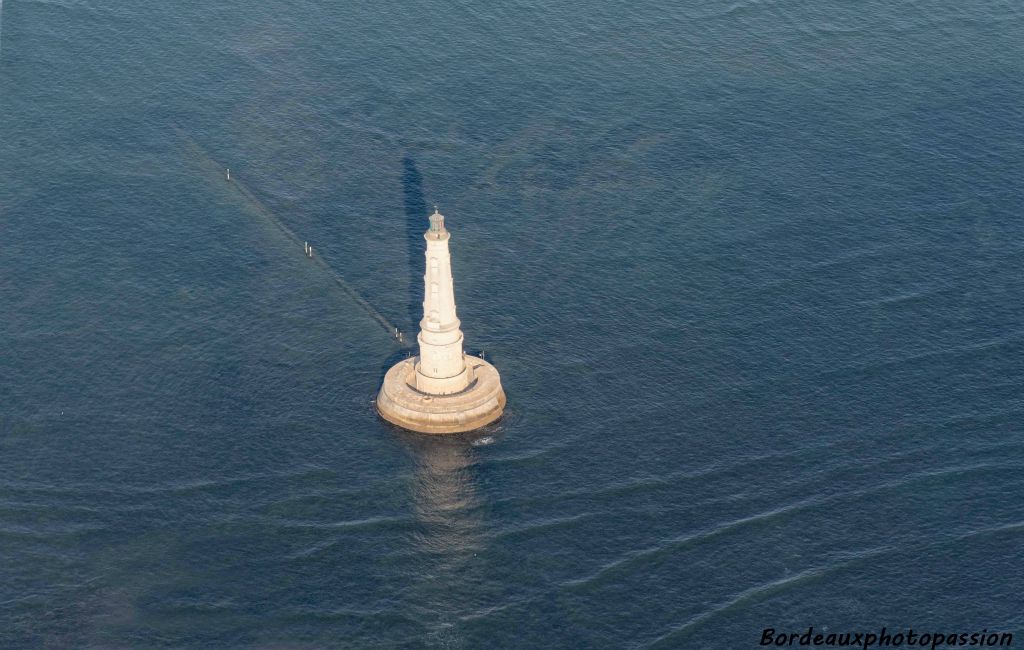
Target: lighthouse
{"x":442,"y":390}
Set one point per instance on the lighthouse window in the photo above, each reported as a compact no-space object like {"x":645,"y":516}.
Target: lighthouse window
{"x":433,"y":265}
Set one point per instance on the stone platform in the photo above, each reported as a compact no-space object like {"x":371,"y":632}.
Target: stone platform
{"x":481,"y":403}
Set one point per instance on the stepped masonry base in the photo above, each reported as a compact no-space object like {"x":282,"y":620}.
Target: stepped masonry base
{"x":481,"y":403}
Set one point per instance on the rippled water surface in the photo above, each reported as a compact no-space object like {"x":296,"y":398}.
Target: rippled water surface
{"x":751,"y":272}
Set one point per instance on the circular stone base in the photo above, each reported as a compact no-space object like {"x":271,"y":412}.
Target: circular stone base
{"x":481,"y":403}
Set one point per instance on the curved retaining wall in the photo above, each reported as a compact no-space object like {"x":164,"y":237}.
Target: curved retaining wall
{"x":400,"y":403}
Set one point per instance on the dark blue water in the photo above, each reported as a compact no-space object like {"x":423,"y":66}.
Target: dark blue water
{"x":751,"y":272}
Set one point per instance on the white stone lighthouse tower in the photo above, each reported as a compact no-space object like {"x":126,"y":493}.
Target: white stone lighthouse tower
{"x":442,"y":390}
{"x":442,"y":368}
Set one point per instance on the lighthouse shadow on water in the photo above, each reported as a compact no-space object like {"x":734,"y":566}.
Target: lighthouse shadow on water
{"x":415,"y":213}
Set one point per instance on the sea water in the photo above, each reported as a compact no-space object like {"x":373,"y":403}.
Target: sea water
{"x":751,"y":272}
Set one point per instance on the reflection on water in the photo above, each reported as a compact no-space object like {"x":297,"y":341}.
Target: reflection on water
{"x":449,"y":540}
